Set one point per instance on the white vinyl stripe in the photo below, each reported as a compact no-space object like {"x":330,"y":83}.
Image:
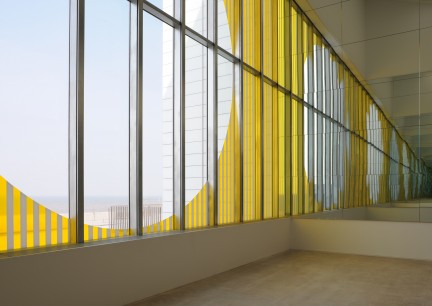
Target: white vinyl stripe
{"x":10,"y":218}
{"x":59,"y":230}
{"x":90,"y":233}
{"x":36,"y":224}
{"x":23,"y":203}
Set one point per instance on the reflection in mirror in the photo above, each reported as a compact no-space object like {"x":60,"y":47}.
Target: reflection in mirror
{"x":380,"y":90}
{"x":425,"y":103}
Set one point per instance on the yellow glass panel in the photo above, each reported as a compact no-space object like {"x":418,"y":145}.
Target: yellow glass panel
{"x":96,"y":233}
{"x":3,"y":214}
{"x":196,"y":211}
{"x":65,"y":230}
{"x":54,"y":227}
{"x":232,"y":10}
{"x":270,"y":38}
{"x":251,"y":148}
{"x":297,"y":157}
{"x":86,"y":232}
{"x":283,"y":41}
{"x":252,"y":33}
{"x":280,"y":155}
{"x":288,"y":151}
{"x":30,"y":223}
{"x":273,"y":192}
{"x":296,"y":61}
{"x":16,"y":218}
{"x":229,"y":171}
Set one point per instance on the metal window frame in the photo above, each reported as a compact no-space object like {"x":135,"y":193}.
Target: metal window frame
{"x":262,"y":121}
{"x":212,"y":113}
{"x":241,"y":105}
{"x":76,"y":120}
{"x":179,"y":116}
{"x":135,"y":116}
{"x":177,"y":21}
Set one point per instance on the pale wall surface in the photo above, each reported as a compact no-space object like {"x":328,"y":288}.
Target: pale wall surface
{"x":124,"y":272}
{"x":376,"y":238}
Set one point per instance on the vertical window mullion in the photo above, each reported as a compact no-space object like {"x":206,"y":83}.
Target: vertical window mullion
{"x":241,"y":95}
{"x":135,"y":117}
{"x":179,"y":116}
{"x":212,"y":98}
{"x":262,"y":106}
{"x":76,"y":121}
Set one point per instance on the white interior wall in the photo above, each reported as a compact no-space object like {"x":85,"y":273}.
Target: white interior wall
{"x":124,"y":272}
{"x":411,"y":240}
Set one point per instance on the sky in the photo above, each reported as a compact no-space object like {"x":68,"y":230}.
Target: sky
{"x":33,"y":79}
{"x":34,"y":65}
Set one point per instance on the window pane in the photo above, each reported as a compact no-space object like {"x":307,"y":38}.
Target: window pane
{"x":283,"y":44}
{"x":228,"y":25}
{"x":270,"y":38}
{"x":106,"y":119}
{"x":196,"y":135}
{"x":251,"y":147}
{"x":34,"y":75}
{"x":296,"y":49}
{"x":297,"y":157}
{"x":228,"y":143}
{"x":196,"y":16}
{"x":270,"y":150}
{"x":274,"y":152}
{"x":252,"y":33}
{"x":285,"y":152}
{"x":157,"y":125}
{"x":166,"y":5}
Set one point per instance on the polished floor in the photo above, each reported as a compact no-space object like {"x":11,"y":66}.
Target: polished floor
{"x":310,"y":278}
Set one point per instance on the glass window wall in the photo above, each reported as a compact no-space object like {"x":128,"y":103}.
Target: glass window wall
{"x":266,"y":118}
{"x":34,"y":124}
{"x":196,"y":202}
{"x":106,"y":120}
{"x":157,"y":126}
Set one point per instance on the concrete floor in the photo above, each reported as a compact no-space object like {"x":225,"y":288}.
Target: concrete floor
{"x":310,"y":278}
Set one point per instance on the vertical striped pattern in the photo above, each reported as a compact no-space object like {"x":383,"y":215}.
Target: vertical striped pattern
{"x":119,"y":225}
{"x":3,"y":215}
{"x":332,"y":164}
{"x":297,"y":157}
{"x":251,"y":147}
{"x":229,"y":173}
{"x":270,"y":38}
{"x":252,"y":33}
{"x":281,"y":157}
{"x":92,"y":233}
{"x":196,"y":210}
{"x":229,"y":158}
{"x":310,"y":162}
{"x":165,"y":225}
{"x":273,"y":191}
{"x":232,"y":10}
{"x":283,"y":42}
{"x":25,"y":223}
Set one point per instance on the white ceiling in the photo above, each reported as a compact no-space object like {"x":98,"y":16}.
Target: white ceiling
{"x":388,"y":45}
